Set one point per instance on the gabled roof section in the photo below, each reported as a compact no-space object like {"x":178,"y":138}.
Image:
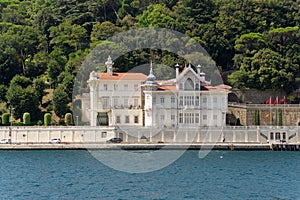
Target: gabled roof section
{"x":122,"y":76}
{"x":186,"y":71}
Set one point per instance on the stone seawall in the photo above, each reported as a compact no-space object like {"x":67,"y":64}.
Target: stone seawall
{"x":266,"y":115}
{"x":134,"y":135}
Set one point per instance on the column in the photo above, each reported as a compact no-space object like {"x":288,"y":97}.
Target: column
{"x":93,"y":100}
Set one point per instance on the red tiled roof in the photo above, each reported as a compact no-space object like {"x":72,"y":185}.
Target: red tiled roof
{"x":218,"y":87}
{"x":167,"y":87}
{"x":122,"y":76}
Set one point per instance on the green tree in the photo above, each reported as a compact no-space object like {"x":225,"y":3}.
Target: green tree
{"x":3,"y":90}
{"x":156,"y":16}
{"x":9,"y":66}
{"x":60,"y":101}
{"x":265,"y":70}
{"x":22,"y":97}
{"x":104,"y":30}
{"x":39,"y":86}
{"x":68,"y":37}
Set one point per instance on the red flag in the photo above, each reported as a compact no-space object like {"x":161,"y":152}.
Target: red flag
{"x":282,"y":100}
{"x":275,"y":101}
{"x":268,"y":101}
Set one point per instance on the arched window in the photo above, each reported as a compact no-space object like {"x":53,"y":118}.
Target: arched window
{"x":197,"y":86}
{"x":189,"y":84}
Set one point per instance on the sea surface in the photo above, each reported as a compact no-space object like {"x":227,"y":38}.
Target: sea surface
{"x":219,"y":175}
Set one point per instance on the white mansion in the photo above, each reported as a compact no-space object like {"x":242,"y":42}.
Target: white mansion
{"x":134,"y":99}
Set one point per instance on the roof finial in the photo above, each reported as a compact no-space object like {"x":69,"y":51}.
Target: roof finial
{"x":151,"y":67}
{"x":109,"y":65}
{"x":190,"y":64}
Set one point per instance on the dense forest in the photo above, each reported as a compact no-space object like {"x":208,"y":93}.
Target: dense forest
{"x":255,"y":43}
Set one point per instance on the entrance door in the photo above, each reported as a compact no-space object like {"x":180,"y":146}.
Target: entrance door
{"x":102,"y":119}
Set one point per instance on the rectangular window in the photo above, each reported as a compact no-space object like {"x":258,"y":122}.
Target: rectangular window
{"x":204,"y":117}
{"x":116,"y":101}
{"x":192,"y":118}
{"x":162,"y":101}
{"x":162,"y":118}
{"x":105,"y":87}
{"x":197,"y":118}
{"x":118,"y":119}
{"x":283,"y":136}
{"x":186,"y":118}
{"x":197,"y":101}
{"x":127,"y":119}
{"x":105,"y":103}
{"x":125,"y":102}
{"x":185,"y":100}
{"x":215,"y":99}
{"x":135,"y":102}
{"x":103,"y":134}
{"x":154,"y":100}
{"x":172,"y":101}
{"x":136,"y":119}
{"x":126,"y":87}
{"x":277,"y":136}
{"x":215,"y":117}
{"x":204,"y":100}
{"x":115,"y":87}
{"x":181,"y":101}
{"x":271,"y":136}
{"x":180,"y":118}
{"x":136,"y":87}
{"x":173,"y":118}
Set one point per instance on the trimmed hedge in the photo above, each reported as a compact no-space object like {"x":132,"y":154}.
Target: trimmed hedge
{"x":47,"y":119}
{"x":26,"y":119}
{"x":5,"y":119}
{"x":69,"y":119}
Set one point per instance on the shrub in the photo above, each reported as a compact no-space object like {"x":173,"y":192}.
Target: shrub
{"x":39,"y":123}
{"x":69,"y":119}
{"x":26,"y":119}
{"x":5,"y":119}
{"x":53,"y":122}
{"x":47,"y":119}
{"x":49,"y":108}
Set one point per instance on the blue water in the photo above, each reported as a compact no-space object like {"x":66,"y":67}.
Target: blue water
{"x":220,"y":175}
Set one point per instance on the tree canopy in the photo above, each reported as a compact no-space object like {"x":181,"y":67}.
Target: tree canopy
{"x":46,"y":41}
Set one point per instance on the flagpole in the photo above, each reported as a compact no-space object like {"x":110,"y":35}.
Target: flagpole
{"x":277,"y":114}
{"x":270,"y":111}
{"x":283,"y":124}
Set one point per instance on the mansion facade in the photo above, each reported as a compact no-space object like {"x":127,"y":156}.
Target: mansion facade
{"x":134,"y":99}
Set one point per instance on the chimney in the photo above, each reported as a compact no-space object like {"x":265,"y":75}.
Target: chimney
{"x":198,"y":69}
{"x":109,"y":66}
{"x":177,"y":70}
